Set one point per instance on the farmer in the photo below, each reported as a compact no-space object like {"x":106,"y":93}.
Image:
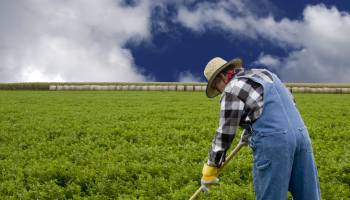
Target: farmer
{"x":257,"y":100}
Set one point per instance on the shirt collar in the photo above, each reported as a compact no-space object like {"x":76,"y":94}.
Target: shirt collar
{"x":239,"y":71}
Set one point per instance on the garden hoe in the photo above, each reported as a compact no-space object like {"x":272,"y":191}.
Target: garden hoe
{"x":242,"y":142}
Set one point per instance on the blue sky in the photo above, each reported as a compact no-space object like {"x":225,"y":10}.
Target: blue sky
{"x":171,"y":40}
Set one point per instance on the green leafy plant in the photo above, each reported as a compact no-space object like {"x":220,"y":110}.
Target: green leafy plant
{"x":143,"y":145}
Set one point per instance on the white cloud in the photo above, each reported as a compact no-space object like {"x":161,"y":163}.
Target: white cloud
{"x":32,"y":74}
{"x":321,"y":38}
{"x":84,"y":40}
{"x":79,"y":40}
{"x":326,"y":46}
{"x":212,"y":15}
{"x":187,"y":76}
{"x":268,"y":60}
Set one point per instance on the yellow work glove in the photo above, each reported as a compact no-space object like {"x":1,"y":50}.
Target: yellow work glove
{"x":210,"y":174}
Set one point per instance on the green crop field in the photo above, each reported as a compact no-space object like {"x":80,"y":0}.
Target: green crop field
{"x":143,"y":145}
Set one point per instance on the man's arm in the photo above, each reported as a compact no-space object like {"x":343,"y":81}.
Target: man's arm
{"x":231,"y":110}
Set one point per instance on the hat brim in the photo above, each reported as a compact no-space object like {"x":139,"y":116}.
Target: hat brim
{"x":211,"y":91}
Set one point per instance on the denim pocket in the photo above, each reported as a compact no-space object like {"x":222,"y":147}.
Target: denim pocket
{"x":263,"y":164}
{"x":271,"y":133}
{"x":272,"y":145}
{"x":258,"y":137}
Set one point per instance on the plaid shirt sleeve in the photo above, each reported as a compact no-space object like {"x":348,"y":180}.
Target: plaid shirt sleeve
{"x":235,"y":106}
{"x":230,"y":114}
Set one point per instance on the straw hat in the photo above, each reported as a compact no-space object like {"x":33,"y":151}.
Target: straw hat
{"x":213,"y":68}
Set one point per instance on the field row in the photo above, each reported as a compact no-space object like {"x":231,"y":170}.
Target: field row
{"x":143,"y":145}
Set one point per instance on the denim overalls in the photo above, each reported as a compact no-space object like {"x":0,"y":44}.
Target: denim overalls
{"x":283,"y":157}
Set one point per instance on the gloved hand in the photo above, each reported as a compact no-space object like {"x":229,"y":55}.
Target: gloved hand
{"x":210,"y":174}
